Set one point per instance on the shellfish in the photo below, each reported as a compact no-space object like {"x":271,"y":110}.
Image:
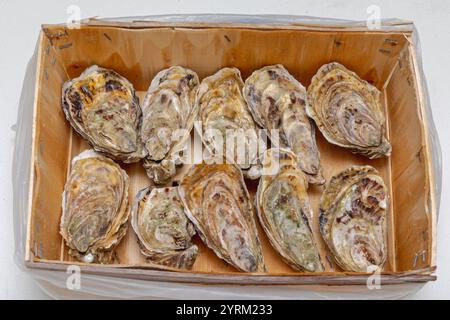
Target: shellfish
{"x":285,"y":212}
{"x":169,"y":113}
{"x":353,"y":218}
{"x":277,"y":102}
{"x":103,"y":108}
{"x":219,"y":205}
{"x":164,"y":232}
{"x":227,"y":128}
{"x":347,"y":110}
{"x":94,"y":207}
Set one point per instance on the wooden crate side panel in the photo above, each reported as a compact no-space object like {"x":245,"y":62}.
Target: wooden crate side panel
{"x":410,"y":180}
{"x":50,"y":158}
{"x":140,"y":54}
{"x":237,"y":278}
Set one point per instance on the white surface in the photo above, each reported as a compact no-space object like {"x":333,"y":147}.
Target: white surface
{"x":20,"y":23}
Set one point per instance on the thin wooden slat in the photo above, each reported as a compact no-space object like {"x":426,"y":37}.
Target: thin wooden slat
{"x":413,"y":221}
{"x":341,"y":279}
{"x":49,"y":156}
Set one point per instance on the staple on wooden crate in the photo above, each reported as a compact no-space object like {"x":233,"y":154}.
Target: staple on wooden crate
{"x":65,"y":46}
{"x":391,"y":41}
{"x":107,"y":36}
{"x":385,"y":51}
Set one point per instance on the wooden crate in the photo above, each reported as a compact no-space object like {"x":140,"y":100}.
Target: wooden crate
{"x":138,"y":50}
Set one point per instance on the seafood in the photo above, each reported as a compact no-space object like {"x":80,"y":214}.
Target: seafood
{"x":347,"y":110}
{"x":103,"y":108}
{"x":94,"y":208}
{"x":169,"y":113}
{"x":164,"y":232}
{"x":353,"y":218}
{"x":277,"y":102}
{"x":284,"y":210}
{"x":219,"y":205}
{"x":227,"y":128}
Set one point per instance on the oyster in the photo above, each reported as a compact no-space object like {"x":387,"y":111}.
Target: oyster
{"x":347,"y":111}
{"x":103,"y":108}
{"x":168,"y":117}
{"x":94,"y":207}
{"x":353,"y":218}
{"x":227,"y":128}
{"x":284,"y":210}
{"x":219,"y":205}
{"x":163,"y":229}
{"x":277,"y":102}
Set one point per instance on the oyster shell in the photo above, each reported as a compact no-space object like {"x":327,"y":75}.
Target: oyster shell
{"x":219,"y":205}
{"x":103,"y":108}
{"x":94,"y":207}
{"x":164,"y":232}
{"x":227,"y":128}
{"x":353,"y":218}
{"x":277,"y":102}
{"x":168,"y":117}
{"x":284,"y":210}
{"x":347,"y":111}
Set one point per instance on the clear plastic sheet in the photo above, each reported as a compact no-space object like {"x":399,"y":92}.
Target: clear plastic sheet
{"x":94,"y":286}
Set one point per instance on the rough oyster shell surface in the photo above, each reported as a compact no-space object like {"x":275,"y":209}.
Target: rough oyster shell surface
{"x":277,"y":102}
{"x":227,"y":127}
{"x":94,"y":207}
{"x":347,"y":110}
{"x":285,"y":212}
{"x":164,"y":232}
{"x":103,"y":108}
{"x":219,"y":205}
{"x":169,"y":113}
{"x":353,"y":218}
